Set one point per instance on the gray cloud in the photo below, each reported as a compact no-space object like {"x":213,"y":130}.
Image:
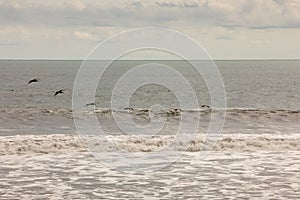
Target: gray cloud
{"x":168,"y":4}
{"x":137,"y":4}
{"x":224,"y":37}
{"x":189,"y":5}
{"x":165,"y":4}
{"x":246,"y":14}
{"x":9,"y":44}
{"x":279,"y":1}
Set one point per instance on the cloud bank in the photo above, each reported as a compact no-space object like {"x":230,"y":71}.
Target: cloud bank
{"x":257,"y":14}
{"x":227,"y":28}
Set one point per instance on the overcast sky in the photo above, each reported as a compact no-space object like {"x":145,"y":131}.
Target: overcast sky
{"x":228,"y":29}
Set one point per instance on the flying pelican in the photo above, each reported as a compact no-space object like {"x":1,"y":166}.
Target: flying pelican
{"x":35,"y":80}
{"x":90,"y":104}
{"x":59,"y":92}
{"x":205,"y":106}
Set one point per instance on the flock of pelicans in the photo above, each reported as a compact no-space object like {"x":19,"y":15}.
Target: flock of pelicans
{"x":35,"y":80}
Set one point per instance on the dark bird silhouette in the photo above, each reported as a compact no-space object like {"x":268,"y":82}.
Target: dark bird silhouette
{"x":59,"y":92}
{"x":90,"y":104}
{"x":35,"y":80}
{"x":205,"y":106}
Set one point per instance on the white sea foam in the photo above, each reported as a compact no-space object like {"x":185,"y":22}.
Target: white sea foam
{"x":70,"y":143}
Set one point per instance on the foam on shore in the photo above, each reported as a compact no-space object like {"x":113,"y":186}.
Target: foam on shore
{"x":28,"y":144}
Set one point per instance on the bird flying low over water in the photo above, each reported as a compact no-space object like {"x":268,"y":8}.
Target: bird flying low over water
{"x":205,"y":106}
{"x":35,"y":80}
{"x":59,"y":92}
{"x":90,"y":104}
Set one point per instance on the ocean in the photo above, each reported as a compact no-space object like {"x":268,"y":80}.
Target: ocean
{"x":264,"y":87}
{"x":256,"y":156}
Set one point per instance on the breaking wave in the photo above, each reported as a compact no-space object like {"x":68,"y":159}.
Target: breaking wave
{"x":69,"y":143}
{"x":140,"y":111}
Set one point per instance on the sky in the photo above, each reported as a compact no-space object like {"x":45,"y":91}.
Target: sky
{"x":227,"y":29}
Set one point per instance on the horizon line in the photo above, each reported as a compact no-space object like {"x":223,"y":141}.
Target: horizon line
{"x":44,"y":59}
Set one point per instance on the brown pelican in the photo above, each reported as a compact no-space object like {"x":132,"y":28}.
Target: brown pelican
{"x":59,"y":92}
{"x":35,"y":80}
{"x":90,"y":104}
{"x":205,"y":106}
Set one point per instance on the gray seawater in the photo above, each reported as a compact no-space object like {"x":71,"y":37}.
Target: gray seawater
{"x":257,"y":156}
{"x":261,"y":95}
